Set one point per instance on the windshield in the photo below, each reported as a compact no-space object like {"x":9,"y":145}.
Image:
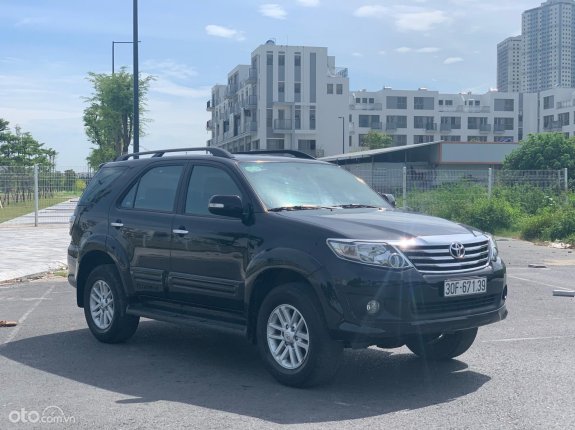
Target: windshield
{"x":295,"y":184}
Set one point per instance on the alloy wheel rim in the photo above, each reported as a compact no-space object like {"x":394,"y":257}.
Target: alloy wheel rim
{"x":288,"y":337}
{"x":102,"y":305}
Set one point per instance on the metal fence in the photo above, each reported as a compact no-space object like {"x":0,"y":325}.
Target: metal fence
{"x":413,"y":187}
{"x":33,"y":195}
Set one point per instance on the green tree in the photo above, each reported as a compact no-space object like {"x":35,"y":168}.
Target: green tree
{"x":108,"y":119}
{"x":543,"y":151}
{"x":377,"y":140}
{"x":21,"y":149}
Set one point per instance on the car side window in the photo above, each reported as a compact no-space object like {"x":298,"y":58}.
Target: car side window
{"x":206,"y":182}
{"x":156,"y":190}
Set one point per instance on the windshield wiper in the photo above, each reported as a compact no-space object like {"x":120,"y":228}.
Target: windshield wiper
{"x":356,"y":206}
{"x":299,"y":208}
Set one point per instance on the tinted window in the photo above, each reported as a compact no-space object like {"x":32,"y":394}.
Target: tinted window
{"x":205,"y":183}
{"x":101,"y":184}
{"x":156,"y":190}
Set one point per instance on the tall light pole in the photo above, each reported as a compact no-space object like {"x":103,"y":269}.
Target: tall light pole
{"x":136,"y":82}
{"x":113,"y":55}
{"x":342,"y":134}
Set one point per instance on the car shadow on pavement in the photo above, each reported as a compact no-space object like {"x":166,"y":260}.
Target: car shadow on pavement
{"x":222,"y":371}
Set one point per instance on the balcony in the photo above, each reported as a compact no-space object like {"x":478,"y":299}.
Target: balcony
{"x":209,"y":106}
{"x":252,"y":75}
{"x":446,"y":128}
{"x":430,"y":127}
{"x":209,"y":125}
{"x":466,"y":109}
{"x":497,"y":128}
{"x":485,"y":128}
{"x":282,"y":125}
{"x":376,"y":126}
{"x":366,"y":106}
{"x":553,"y":126}
{"x":250,"y":102}
{"x":391,"y":127}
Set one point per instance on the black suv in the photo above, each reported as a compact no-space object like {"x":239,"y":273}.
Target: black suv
{"x":299,"y":255}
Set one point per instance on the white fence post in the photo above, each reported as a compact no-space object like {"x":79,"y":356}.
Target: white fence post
{"x":35,"y":195}
{"x":489,"y":183}
{"x":404,"y":187}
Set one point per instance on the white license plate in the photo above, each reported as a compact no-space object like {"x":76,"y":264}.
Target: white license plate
{"x":464,"y":287}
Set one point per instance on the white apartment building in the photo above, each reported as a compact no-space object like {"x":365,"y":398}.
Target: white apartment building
{"x":548,"y":46}
{"x":426,"y":116}
{"x":509,"y":65}
{"x":550,"y":111}
{"x":290,"y":97}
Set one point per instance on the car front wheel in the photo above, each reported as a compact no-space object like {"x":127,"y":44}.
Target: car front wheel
{"x":105,"y":306}
{"x":442,"y":346}
{"x":293,"y":339}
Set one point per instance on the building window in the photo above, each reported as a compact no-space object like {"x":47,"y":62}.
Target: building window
{"x":423,"y":103}
{"x":312,"y":118}
{"x":339,"y":89}
{"x":504,"y":139}
{"x":330,"y":88}
{"x":563,"y":118}
{"x":477,"y":138}
{"x":454,"y":138}
{"x":395,"y":121}
{"x":269,"y":117}
{"x":306,"y":145}
{"x":448,"y":102}
{"x":423,"y":122}
{"x":371,"y":121}
{"x":503,"y":124}
{"x":270,"y":59}
{"x":451,"y":122}
{"x":474,"y":122}
{"x":297,"y":92}
{"x":396,"y":102}
{"x":548,"y":102}
{"x":507,"y":105}
{"x":422,"y":139}
{"x":399,"y":139}
{"x":357,"y":100}
{"x":281,"y":91}
{"x":275,"y":144}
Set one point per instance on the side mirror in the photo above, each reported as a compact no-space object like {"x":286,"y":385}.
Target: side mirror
{"x":389,"y":198}
{"x":226,"y":206}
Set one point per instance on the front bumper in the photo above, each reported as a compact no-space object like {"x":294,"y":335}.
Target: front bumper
{"x":412,"y":303}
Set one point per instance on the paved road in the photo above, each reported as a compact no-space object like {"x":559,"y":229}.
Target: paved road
{"x":518,"y":375}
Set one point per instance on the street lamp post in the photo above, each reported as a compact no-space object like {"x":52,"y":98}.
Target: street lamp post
{"x":113,"y":55}
{"x":342,"y":134}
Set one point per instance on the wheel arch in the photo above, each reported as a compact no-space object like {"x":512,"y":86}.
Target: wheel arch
{"x":89,"y":262}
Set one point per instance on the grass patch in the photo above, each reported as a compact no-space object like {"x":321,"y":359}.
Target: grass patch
{"x":14,"y":210}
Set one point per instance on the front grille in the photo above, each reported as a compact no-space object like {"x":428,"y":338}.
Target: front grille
{"x":437,"y":258}
{"x":448,"y":304}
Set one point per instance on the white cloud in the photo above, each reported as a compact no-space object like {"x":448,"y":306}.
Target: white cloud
{"x":371,"y":11}
{"x":420,"y":21}
{"x":425,"y":50}
{"x":272,"y":10}
{"x":228,"y":33}
{"x":357,"y":54}
{"x":407,"y":18}
{"x":31,"y":21}
{"x":308,"y":3}
{"x":170,"y":68}
{"x":382,"y":52}
{"x":453,"y":60}
{"x":165,"y":86}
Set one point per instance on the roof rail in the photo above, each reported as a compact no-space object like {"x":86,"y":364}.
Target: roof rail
{"x":216,"y":152}
{"x":295,"y":154}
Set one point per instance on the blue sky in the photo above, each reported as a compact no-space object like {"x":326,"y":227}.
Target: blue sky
{"x":47,"y":47}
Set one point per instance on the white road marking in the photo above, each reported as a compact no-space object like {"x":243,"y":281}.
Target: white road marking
{"x":538,"y":283}
{"x":518,"y":339}
{"x":12,"y":335}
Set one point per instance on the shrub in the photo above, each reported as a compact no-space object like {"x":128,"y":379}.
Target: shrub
{"x":491,"y":214}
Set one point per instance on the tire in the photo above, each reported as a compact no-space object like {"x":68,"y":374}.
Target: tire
{"x":105,"y":306}
{"x":300,"y":367}
{"x":443,"y":346}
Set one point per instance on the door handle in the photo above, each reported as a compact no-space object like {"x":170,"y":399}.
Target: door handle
{"x":117,"y":224}
{"x":180,"y":231}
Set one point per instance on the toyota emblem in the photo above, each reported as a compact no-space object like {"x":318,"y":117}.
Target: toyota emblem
{"x":457,"y":250}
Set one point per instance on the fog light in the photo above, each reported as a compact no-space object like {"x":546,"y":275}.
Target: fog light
{"x":372,"y":307}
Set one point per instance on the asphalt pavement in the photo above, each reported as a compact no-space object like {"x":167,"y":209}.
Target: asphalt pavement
{"x":518,"y":375}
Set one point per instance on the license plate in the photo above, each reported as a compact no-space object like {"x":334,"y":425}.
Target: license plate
{"x":464,"y":287}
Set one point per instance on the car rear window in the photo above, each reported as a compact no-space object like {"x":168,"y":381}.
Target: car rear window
{"x":101,"y":184}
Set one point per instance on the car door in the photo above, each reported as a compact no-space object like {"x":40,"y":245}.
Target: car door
{"x":141,"y":224}
{"x":209,"y":252}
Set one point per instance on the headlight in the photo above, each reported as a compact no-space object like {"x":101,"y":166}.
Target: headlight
{"x":493,"y":251}
{"x":373,"y":253}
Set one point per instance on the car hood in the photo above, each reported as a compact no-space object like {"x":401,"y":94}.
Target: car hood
{"x":377,"y":224}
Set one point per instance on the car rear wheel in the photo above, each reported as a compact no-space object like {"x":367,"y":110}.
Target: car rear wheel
{"x":105,"y":306}
{"x":293,"y":340}
{"x":442,"y":346}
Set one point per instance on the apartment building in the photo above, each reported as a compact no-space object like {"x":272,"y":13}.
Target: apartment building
{"x":550,"y":111}
{"x":425,"y":116}
{"x":509,"y":65}
{"x":548,"y":46}
{"x":289,"y":97}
